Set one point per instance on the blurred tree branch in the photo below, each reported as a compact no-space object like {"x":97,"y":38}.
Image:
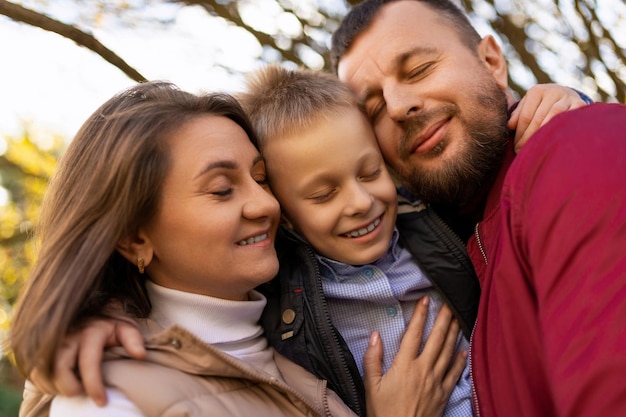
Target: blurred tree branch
{"x":33,"y":18}
{"x":513,"y":25}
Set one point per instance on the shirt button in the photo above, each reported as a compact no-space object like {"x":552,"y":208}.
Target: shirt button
{"x":391,"y":311}
{"x":368,"y":272}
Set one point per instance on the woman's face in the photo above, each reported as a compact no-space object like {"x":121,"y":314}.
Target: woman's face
{"x":215,"y":228}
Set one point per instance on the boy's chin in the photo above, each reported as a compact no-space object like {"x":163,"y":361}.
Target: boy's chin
{"x":364,"y":258}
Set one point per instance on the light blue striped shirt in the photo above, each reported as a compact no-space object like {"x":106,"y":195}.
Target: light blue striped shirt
{"x":381,"y":296}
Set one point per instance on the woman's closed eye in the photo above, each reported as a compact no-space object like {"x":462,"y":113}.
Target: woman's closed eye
{"x":222,"y":192}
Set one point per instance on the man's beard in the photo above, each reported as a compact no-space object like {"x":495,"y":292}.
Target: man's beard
{"x":457,"y":178}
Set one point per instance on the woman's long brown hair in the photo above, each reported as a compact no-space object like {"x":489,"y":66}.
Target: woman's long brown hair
{"x":108,"y":183}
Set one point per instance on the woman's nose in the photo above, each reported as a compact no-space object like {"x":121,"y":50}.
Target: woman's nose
{"x":261,"y":203}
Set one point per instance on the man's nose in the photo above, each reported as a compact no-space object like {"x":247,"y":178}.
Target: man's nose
{"x":402,"y":102}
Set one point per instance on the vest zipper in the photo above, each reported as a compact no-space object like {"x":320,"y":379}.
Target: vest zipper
{"x":480,"y":244}
{"x":451,"y":238}
{"x":458,"y":249}
{"x":327,"y":329}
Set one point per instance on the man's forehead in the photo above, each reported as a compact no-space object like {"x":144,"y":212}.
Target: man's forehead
{"x":399,"y":27}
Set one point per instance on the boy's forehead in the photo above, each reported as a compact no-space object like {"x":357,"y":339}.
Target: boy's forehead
{"x":317,"y":130}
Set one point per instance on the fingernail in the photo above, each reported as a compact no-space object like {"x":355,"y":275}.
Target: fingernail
{"x":374,"y":338}
{"x":425,"y":300}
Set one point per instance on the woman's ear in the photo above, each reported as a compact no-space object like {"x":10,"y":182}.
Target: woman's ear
{"x":491,"y":54}
{"x":137,"y":249}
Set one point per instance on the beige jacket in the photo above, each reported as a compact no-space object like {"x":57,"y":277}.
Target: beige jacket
{"x":183,"y":376}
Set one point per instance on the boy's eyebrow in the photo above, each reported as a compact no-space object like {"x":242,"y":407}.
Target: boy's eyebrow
{"x":317,"y":181}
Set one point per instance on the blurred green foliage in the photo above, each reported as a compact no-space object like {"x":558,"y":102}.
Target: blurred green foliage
{"x":10,"y":400}
{"x":26,"y":163}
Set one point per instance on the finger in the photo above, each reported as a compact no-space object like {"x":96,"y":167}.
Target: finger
{"x":372,"y":363}
{"x":437,"y":335}
{"x":130,"y":338}
{"x":94,"y":339}
{"x":538,"y":107}
{"x":543,"y":114}
{"x":530,"y":118}
{"x":448,"y":348}
{"x":562,"y":105}
{"x":525,"y":110}
{"x":412,"y":339}
{"x":513,"y":119}
{"x":64,"y":378}
{"x":454,"y":373}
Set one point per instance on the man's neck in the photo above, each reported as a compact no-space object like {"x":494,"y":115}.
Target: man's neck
{"x":463,"y":218}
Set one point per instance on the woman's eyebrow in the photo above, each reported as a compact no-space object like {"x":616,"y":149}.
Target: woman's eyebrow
{"x":226,"y":164}
{"x":216,"y":165}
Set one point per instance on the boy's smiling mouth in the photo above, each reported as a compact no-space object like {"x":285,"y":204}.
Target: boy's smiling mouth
{"x":363,"y":230}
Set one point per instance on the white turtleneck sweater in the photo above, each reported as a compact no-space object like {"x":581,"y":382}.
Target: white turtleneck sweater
{"x":230,"y":326}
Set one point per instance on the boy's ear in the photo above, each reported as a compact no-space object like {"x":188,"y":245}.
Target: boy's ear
{"x":134,"y":247}
{"x":491,"y":54}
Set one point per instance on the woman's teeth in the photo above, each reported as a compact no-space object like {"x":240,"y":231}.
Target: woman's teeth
{"x":252,"y":240}
{"x":364,"y":230}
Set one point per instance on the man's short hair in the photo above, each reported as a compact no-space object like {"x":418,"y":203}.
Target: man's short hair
{"x":360,"y":18}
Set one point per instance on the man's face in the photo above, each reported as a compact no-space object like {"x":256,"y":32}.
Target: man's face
{"x":438,"y":108}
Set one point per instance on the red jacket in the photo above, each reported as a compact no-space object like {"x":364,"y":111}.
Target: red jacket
{"x":550,"y":339}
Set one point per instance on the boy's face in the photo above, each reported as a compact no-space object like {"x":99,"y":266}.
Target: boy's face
{"x":332,"y":184}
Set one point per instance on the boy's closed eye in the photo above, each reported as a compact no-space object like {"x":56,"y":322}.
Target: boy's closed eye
{"x":323,"y":195}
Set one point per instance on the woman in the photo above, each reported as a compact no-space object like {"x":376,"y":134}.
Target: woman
{"x":161,"y":204}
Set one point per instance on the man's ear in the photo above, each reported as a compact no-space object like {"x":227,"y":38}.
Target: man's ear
{"x":136,"y":246}
{"x":490,"y":53}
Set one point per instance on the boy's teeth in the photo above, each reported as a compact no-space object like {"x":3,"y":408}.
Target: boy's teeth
{"x":364,"y":230}
{"x":252,"y":240}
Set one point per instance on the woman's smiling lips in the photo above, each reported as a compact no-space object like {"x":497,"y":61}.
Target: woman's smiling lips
{"x":253,"y":239}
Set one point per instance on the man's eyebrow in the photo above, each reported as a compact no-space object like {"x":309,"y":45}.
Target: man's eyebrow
{"x":416,"y":50}
{"x":398,"y":62}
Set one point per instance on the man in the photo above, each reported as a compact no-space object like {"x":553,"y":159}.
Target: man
{"x":549,"y":226}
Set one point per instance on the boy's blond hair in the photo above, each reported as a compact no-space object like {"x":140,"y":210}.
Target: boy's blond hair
{"x":282,"y":102}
